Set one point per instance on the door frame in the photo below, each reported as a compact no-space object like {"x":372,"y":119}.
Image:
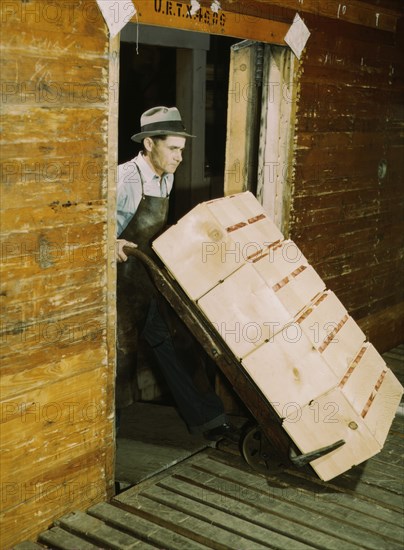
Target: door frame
{"x":191,"y":50}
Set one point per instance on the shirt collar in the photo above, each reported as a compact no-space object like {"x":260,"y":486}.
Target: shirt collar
{"x":147,"y":172}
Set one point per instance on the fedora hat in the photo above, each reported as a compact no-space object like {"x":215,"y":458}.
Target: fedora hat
{"x":160,"y":121}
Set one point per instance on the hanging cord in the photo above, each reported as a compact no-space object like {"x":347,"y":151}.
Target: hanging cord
{"x":137,"y":33}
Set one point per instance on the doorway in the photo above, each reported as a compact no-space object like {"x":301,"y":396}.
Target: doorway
{"x":189,"y":70}
{"x":160,"y":66}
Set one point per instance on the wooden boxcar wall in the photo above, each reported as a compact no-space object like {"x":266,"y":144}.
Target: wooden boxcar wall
{"x":346,"y":210}
{"x":341,"y":210}
{"x":57,"y":448}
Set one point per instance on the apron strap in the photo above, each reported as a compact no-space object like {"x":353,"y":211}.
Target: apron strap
{"x":141,"y":178}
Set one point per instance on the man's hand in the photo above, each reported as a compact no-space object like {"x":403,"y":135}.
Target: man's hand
{"x":120,"y":254}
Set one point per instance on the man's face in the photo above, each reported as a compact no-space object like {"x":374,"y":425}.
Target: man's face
{"x":165,"y":155}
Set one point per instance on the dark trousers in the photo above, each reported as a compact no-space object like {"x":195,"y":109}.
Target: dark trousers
{"x":201,"y":410}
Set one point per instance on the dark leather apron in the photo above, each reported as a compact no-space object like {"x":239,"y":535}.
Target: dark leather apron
{"x":135,"y":290}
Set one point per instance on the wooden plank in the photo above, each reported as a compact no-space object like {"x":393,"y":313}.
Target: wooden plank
{"x":21,"y":329}
{"x":70,"y":214}
{"x":357,"y":12}
{"x":239,"y":173}
{"x":384,"y":328}
{"x":53,"y":250}
{"x":247,"y":319}
{"x":170,"y":518}
{"x":207,"y":528}
{"x":322,"y":71}
{"x":332,"y":331}
{"x":50,"y":38}
{"x":394,"y":454}
{"x":28,"y":377}
{"x":73,"y":18}
{"x":347,"y":198}
{"x":74,"y":333}
{"x":284,"y":268}
{"x":73,"y":123}
{"x":327,"y":257}
{"x":307,"y":429}
{"x":289,"y":371}
{"x":224,"y":483}
{"x":196,"y":252}
{"x":382,"y":405}
{"x":77,"y":277}
{"x":338,"y":526}
{"x":334,"y":142}
{"x":348,"y":211}
{"x":170,"y":14}
{"x":375,"y":53}
{"x":225,"y":23}
{"x":142,"y":528}
{"x":378,"y":473}
{"x":69,"y":80}
{"x":52,"y":499}
{"x":276,"y":135}
{"x":45,"y":301}
{"x":353,"y":44}
{"x":346,"y":262}
{"x":359,"y":517}
{"x":92,"y":298}
{"x":27,"y":545}
{"x":82,"y":480}
{"x":377,"y":496}
{"x":69,"y":411}
{"x":237,"y":529}
{"x":389,"y":294}
{"x":110,"y":253}
{"x":97,"y":531}
{"x":243,"y":216}
{"x":312,"y":123}
{"x":350,"y":197}
{"x":295,"y":529}
{"x":361,"y":376}
{"x":63,"y":540}
{"x":396,"y":363}
{"x":395,"y":355}
{"x":338,"y":228}
{"x":150,"y":459}
{"x":391,"y":456}
{"x":343,"y":495}
{"x":165,"y":36}
{"x":210,"y":250}
{"x":61,"y":60}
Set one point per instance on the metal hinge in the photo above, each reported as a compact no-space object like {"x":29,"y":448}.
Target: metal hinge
{"x":259,"y":64}
{"x":259,"y":61}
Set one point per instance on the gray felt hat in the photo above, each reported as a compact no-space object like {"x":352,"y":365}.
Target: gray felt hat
{"x":161,"y":121}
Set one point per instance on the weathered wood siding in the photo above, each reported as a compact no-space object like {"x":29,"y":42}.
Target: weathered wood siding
{"x":345,"y":216}
{"x":57,"y":368}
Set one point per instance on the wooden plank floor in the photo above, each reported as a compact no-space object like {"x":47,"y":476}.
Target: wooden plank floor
{"x":212,"y":499}
{"x":151,"y":438}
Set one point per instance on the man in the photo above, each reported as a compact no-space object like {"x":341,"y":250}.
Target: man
{"x":144,"y":186}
